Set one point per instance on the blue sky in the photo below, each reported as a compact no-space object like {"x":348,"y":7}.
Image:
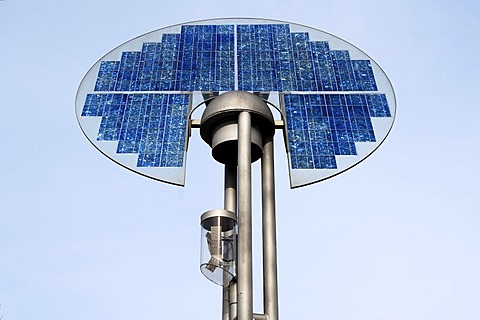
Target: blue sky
{"x":394,"y":238}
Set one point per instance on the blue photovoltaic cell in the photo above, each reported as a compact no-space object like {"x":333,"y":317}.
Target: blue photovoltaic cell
{"x":271,"y":58}
{"x":264,"y":54}
{"x":150,"y":125}
{"x":206,"y":58}
{"x":200,"y":58}
{"x":322,"y":126}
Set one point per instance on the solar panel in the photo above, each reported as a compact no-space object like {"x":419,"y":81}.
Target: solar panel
{"x":150,"y":125}
{"x":135,"y":103}
{"x":322,"y":126}
{"x":200,"y":58}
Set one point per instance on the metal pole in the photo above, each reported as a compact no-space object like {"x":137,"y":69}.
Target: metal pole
{"x":244,"y":256}
{"x":230,"y":203}
{"x":226,"y":302}
{"x":270,"y":287}
{"x":230,"y":200}
{"x":233,"y":300}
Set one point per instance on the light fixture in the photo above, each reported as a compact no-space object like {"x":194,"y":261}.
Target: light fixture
{"x":218,"y":246}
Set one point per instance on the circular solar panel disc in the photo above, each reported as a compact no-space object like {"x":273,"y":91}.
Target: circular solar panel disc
{"x":337,"y":104}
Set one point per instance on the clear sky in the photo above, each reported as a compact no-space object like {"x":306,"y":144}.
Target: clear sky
{"x":396,"y":237}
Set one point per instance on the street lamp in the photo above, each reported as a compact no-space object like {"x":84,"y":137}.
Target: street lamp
{"x":218,"y":244}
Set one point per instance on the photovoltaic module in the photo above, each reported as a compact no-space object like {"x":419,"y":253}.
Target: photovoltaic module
{"x":337,"y":104}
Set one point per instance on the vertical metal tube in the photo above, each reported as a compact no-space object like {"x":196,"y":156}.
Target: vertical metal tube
{"x":270,"y":287}
{"x":230,"y":203}
{"x":230,"y":197}
{"x":244,"y":257}
{"x":233,"y":300}
{"x":225,"y":301}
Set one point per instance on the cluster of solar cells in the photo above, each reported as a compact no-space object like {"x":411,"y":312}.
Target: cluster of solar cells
{"x":200,"y":58}
{"x":271,"y":58}
{"x":150,"y":125}
{"x":321,"y":126}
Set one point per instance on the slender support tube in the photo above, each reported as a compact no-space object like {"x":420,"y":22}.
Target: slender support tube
{"x":244,"y":256}
{"x":270,"y":287}
{"x":230,"y":198}
{"x":230,"y":203}
{"x":225,"y":300}
{"x":233,"y":300}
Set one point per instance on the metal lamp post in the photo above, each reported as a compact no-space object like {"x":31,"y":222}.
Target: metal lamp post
{"x":336,"y":104}
{"x":239,"y":127}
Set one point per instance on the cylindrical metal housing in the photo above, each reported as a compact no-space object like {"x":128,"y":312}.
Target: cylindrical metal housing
{"x":218,"y":246}
{"x":219,"y":125}
{"x":225,"y":143}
